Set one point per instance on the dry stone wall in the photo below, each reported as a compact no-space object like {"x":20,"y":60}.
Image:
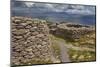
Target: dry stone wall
{"x":29,"y":41}
{"x":69,"y":30}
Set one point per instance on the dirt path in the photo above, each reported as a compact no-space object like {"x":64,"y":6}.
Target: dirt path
{"x":63,"y":52}
{"x":64,"y":57}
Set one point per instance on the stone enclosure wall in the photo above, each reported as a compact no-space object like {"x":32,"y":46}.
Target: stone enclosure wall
{"x":29,"y":41}
{"x":71,"y":31}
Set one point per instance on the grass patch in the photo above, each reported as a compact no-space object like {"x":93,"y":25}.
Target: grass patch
{"x":87,"y":40}
{"x":77,"y":56}
{"x":56,"y":50}
{"x":55,"y":46}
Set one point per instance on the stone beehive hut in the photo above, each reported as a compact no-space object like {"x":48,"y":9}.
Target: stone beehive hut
{"x":29,"y":41}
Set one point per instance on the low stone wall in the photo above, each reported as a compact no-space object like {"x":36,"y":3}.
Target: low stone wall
{"x":29,"y":41}
{"x":72,"y":31}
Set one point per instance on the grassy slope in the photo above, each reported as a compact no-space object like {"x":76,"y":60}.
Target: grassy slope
{"x":87,"y":41}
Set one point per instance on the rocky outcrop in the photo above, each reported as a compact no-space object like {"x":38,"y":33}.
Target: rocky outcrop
{"x":29,"y":41}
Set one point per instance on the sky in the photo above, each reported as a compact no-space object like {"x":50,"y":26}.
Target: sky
{"x":48,"y":7}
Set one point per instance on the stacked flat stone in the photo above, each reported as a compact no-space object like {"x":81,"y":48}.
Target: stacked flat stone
{"x":29,"y":41}
{"x":73,"y":31}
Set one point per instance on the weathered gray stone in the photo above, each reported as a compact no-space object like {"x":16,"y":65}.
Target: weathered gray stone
{"x":35,"y":33}
{"x":20,"y":31}
{"x":23,"y":24}
{"x":17,"y":21}
{"x":28,"y":27}
{"x":18,"y":37}
{"x":40,"y":35}
{"x":33,"y":29}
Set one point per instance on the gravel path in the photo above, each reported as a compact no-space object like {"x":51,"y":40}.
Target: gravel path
{"x":63,"y":51}
{"x":63,"y":54}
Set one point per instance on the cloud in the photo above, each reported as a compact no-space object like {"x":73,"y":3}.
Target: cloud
{"x":30,"y":4}
{"x":85,"y":10}
{"x":68,"y":8}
